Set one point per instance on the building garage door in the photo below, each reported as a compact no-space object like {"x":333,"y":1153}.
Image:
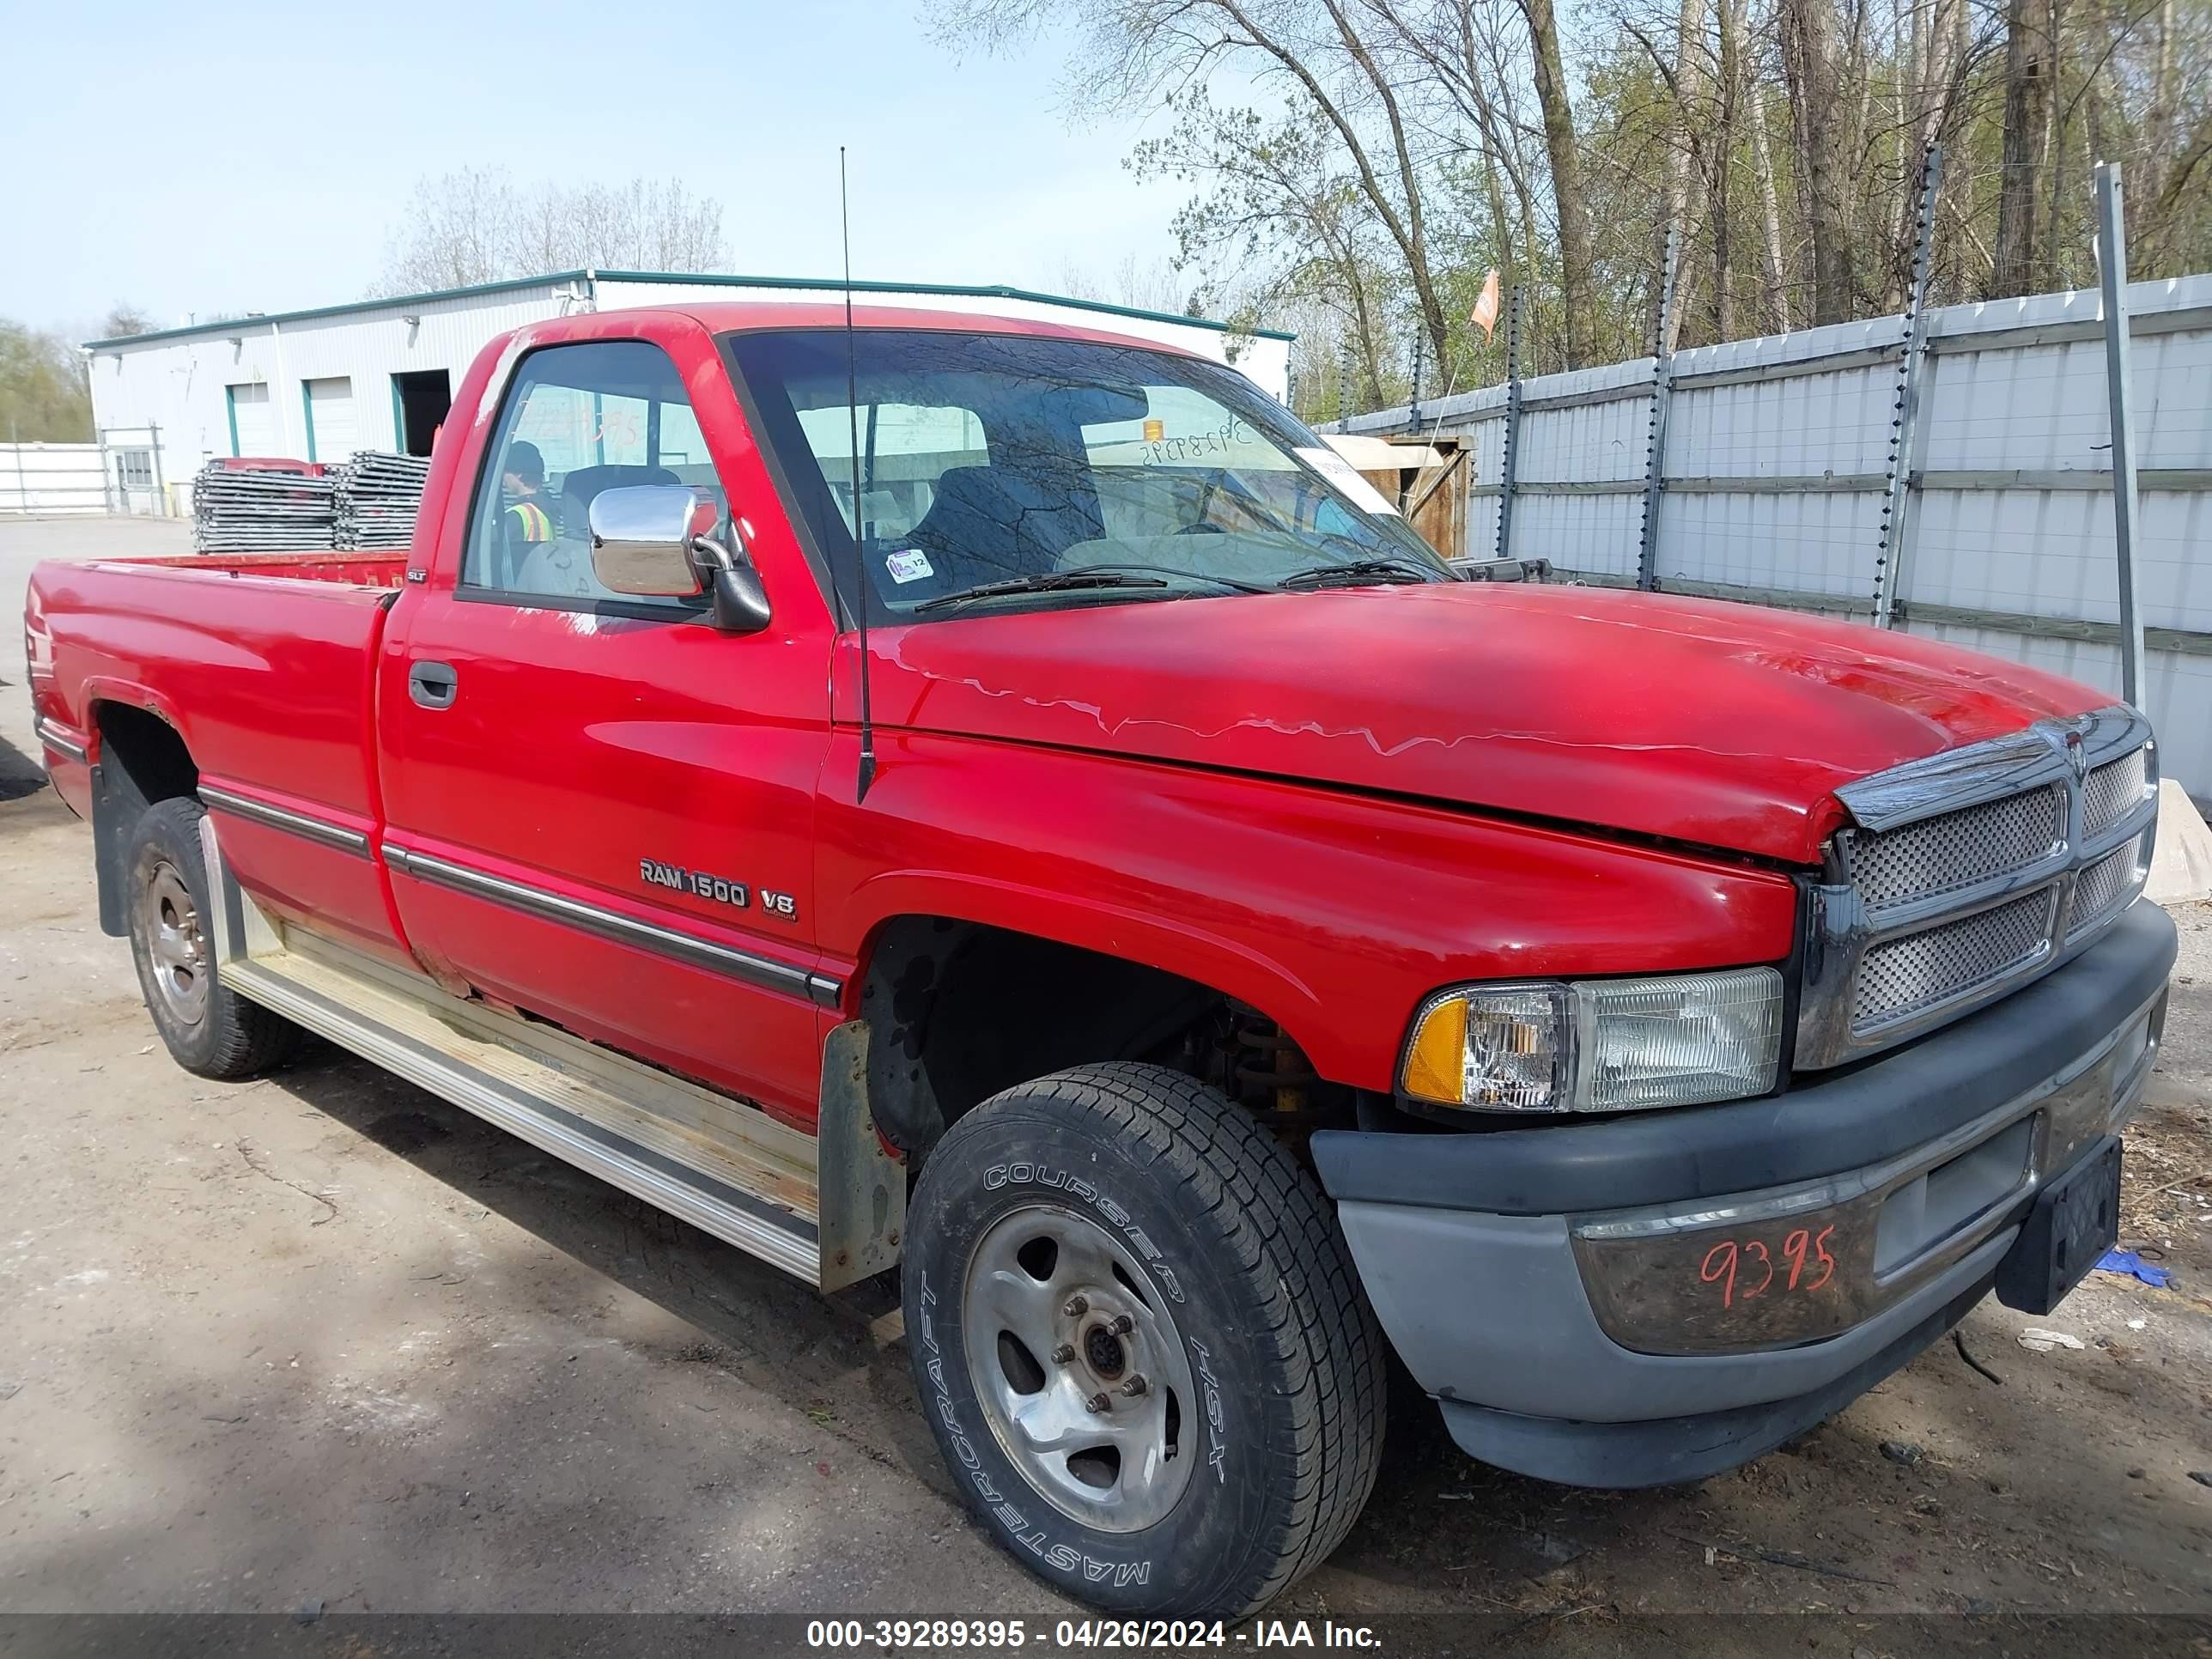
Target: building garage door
{"x":252,"y":421}
{"x":333,"y":432}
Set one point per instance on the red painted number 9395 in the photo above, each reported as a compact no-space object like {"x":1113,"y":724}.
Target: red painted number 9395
{"x":1745,"y":1268}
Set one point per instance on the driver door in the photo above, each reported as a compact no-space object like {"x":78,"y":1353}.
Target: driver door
{"x":601,"y":809}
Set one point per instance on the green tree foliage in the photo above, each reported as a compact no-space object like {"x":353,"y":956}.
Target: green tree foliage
{"x":44,"y":396}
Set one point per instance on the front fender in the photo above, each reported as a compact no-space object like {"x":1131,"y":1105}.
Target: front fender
{"x":1334,"y":913}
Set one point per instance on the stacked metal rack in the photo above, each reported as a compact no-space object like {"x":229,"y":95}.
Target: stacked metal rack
{"x":378,"y":496}
{"x":240,"y":509}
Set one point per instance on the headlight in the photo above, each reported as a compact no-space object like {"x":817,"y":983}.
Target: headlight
{"x":1607,"y":1045}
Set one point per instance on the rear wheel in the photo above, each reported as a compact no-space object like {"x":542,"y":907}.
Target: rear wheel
{"x":207,"y":1028}
{"x":1140,"y":1343}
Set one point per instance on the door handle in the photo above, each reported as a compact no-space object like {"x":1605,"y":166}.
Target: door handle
{"x":432,"y":684}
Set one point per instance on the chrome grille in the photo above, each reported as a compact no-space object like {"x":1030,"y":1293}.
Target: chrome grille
{"x":2103,"y":885}
{"x":1904,"y":975}
{"x":1952,"y":883}
{"x":1960,"y":849}
{"x":2109,"y":791}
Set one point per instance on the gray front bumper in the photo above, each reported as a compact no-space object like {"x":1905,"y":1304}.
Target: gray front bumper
{"x":1586,"y":1346}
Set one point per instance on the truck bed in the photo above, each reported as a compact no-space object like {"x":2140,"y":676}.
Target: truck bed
{"x":265,"y":665}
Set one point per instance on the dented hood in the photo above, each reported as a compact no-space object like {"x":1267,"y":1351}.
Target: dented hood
{"x":1702,"y":721}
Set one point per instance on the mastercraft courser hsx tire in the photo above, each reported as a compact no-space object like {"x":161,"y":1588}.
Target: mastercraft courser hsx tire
{"x":208,"y":1028}
{"x":1140,"y":1343}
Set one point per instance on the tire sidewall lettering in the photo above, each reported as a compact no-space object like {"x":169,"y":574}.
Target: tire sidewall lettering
{"x":1040,"y":1174}
{"x":1035,"y":1537}
{"x":1039,"y":1532}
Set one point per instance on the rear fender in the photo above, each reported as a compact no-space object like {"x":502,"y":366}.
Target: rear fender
{"x":119,"y":798}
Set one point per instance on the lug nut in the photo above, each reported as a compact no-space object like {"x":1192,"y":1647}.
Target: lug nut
{"x":1122,"y":1325}
{"x":1133,"y":1387}
{"x":1076,"y":1308}
{"x":1098,"y":1402}
{"x":1062,"y":1354}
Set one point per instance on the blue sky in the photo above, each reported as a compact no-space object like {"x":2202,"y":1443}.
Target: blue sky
{"x":251,"y":156}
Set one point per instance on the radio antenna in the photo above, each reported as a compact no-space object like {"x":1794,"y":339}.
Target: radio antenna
{"x":867,"y":773}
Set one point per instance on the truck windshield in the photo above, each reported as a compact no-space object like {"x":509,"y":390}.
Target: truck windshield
{"x":1006,"y":462}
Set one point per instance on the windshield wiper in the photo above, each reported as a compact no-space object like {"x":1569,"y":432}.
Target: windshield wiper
{"x":1359,"y":570}
{"x":1090,"y":576}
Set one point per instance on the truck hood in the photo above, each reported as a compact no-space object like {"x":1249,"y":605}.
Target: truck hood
{"x":1722,"y":724}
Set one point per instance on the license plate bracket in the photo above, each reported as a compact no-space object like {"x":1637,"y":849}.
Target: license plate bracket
{"x":2074,"y":1219}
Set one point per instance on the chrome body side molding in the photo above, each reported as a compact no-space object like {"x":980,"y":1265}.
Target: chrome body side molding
{"x":829,"y":1208}
{"x":755,"y":970}
{"x":286,"y":818}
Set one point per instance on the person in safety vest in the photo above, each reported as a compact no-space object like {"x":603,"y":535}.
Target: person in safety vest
{"x":525,"y":520}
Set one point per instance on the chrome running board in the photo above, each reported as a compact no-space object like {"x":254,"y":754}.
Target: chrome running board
{"x":720,"y":1163}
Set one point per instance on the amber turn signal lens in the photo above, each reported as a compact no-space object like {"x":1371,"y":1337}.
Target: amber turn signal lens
{"x":1436,"y":1063}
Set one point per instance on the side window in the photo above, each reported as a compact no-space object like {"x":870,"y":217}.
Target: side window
{"x":578,"y":420}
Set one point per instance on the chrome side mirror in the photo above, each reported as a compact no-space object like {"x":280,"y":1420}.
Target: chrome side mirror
{"x":642,"y":544}
{"x":642,"y":541}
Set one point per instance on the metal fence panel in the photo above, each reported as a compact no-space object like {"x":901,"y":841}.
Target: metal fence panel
{"x":42,"y":479}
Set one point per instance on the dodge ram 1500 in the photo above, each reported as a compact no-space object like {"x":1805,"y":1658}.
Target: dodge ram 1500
{"x":1212,"y":946}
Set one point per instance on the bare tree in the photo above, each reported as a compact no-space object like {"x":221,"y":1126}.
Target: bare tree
{"x":1685,"y":87}
{"x":1561,"y":143}
{"x":1729,"y":97}
{"x":1821,"y":98}
{"x":1770,"y":216}
{"x":2028,"y":102}
{"x":1359,"y":164}
{"x":1328,"y":59}
{"x":1277,"y":212}
{"x":124,"y":319}
{"x":475,"y":226}
{"x":1140,"y":284}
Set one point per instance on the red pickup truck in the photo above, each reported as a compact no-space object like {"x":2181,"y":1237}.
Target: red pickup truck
{"x":1006,"y":802}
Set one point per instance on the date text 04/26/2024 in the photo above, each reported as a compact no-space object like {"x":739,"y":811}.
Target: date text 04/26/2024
{"x":884,"y":1635}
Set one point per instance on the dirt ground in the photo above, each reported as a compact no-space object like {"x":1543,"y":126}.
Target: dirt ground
{"x":322,"y":1338}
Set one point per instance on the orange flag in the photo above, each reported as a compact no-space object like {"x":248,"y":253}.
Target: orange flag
{"x":1485,"y":314}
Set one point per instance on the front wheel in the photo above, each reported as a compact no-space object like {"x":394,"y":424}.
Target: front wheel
{"x":1140,"y":1343}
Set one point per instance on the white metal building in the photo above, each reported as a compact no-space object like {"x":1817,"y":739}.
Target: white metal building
{"x":317,"y":384}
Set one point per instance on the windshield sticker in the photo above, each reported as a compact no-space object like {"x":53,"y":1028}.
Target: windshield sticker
{"x":1341,"y":473}
{"x":909,"y":565}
